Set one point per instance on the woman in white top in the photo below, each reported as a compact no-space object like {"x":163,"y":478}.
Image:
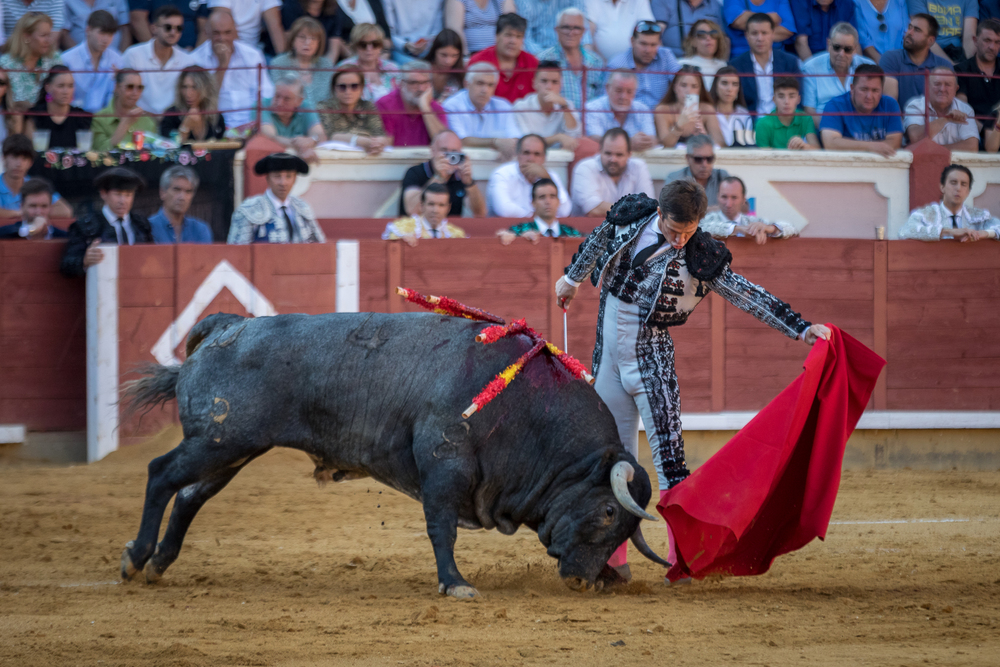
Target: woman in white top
{"x":734,"y":120}
{"x":707,"y":48}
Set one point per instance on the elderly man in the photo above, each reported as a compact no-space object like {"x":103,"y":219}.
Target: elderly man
{"x":652,"y":63}
{"x":867,"y":121}
{"x":94,"y":63}
{"x":450,"y":167}
{"x":545,"y":200}
{"x":814,"y":22}
{"x":763,"y":62}
{"x":950,"y":218}
{"x":952,"y":121}
{"x":730,"y":220}
{"x":546,"y":112}
{"x":276,"y":216}
{"x":508,"y":193}
{"x":831,"y":71}
{"x":701,"y":168}
{"x":284,"y":120}
{"x":409,"y":114}
{"x":516,"y":66}
{"x":430,"y":223}
{"x":601,"y":180}
{"x":618,"y":108}
{"x":36,"y":207}
{"x":160,"y":60}
{"x":542,"y":17}
{"x":575,"y":62}
{"x":913,"y":59}
{"x":171,"y":224}
{"x":480,"y":118}
{"x":981,"y":87}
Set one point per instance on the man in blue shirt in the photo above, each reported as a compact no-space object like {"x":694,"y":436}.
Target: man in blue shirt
{"x":841,"y":59}
{"x":875,"y":126}
{"x":171,"y":223}
{"x":736,"y":13}
{"x":676,"y":26}
{"x":913,"y":59}
{"x":649,"y":61}
{"x":814,"y":20}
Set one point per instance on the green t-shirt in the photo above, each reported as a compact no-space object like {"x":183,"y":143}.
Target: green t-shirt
{"x":772,"y":133}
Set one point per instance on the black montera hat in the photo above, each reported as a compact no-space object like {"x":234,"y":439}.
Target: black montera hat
{"x":280,"y":162}
{"x":119,"y":178}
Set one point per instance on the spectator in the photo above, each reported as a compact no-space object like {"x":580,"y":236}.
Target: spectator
{"x":12,"y":11}
{"x":194,"y":115}
{"x":171,"y":224}
{"x":957,"y":22}
{"x":195,"y":19}
{"x":250,"y":15}
{"x":841,"y":59}
{"x":380,"y":74}
{"x":116,"y":122}
{"x":31,"y":54}
{"x":430,"y":223}
{"x":543,"y":17}
{"x":159,"y":60}
{"x":480,"y":118}
{"x":348,"y":118}
{"x":307,"y":42}
{"x":618,"y":108}
{"x":445,"y":58}
{"x":352,"y":12}
{"x":915,"y":57}
{"x":739,"y":14}
{"x":579,"y":66}
{"x":36,"y":207}
{"x":509,"y":189}
{"x":546,"y":112}
{"x":881,"y":28}
{"x":611,"y":23}
{"x":409,"y":114}
{"x":276,"y":216}
{"x":680,"y":19}
{"x":862,"y":128}
{"x":707,"y":48}
{"x":54,"y":111}
{"x":952,"y":121}
{"x":449,"y":167}
{"x":763,"y":62}
{"x":982,"y":92}
{"x":650,"y":62}
{"x":686,"y":110}
{"x":12,"y":123}
{"x":701,"y":169}
{"x":601,"y":180}
{"x":785,"y":127}
{"x":115,"y":223}
{"x":545,"y":201}
{"x":815,"y":19}
{"x":285,"y":121}
{"x":730,"y":220}
{"x":324,"y":12}
{"x":234,"y":65}
{"x":991,"y":138}
{"x":735,"y":123}
{"x":475,"y":21}
{"x":950,"y":218}
{"x":76,"y":13}
{"x":93,"y":63}
{"x":516,"y":66}
{"x":18,"y":156}
{"x":414,"y":24}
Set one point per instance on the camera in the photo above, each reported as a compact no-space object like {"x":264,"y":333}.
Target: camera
{"x":454,"y":157}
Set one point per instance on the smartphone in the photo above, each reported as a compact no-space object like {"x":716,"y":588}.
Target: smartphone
{"x":691,"y":101}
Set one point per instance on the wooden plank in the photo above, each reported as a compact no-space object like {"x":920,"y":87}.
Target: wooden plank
{"x":954,"y":314}
{"x":33,"y":257}
{"x":394,"y":275}
{"x":37,"y":382}
{"x":931,"y":373}
{"x":905,"y":343}
{"x":848,"y":315}
{"x":769,"y":344}
{"x":23,"y":319}
{"x":880,"y":316}
{"x":297,"y":278}
{"x":45,"y":414}
{"x":942,"y":256}
{"x":372,"y":275}
{"x":718,"y":382}
{"x":146,"y":261}
{"x":945,"y":398}
{"x":142,"y":292}
{"x":929,"y":285}
{"x":40,"y":288}
{"x":66,"y":350}
{"x":796,"y":254}
{"x":812,"y":284}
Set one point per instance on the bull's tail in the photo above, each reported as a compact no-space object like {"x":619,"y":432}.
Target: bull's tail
{"x":157,"y":386}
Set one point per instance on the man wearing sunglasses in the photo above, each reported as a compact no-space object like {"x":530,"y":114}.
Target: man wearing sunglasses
{"x":814,"y":19}
{"x":841,"y":59}
{"x":678,"y":16}
{"x":915,"y":58}
{"x":649,"y":61}
{"x":701,"y":168}
{"x":160,"y":60}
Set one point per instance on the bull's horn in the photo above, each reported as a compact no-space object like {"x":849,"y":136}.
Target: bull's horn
{"x":640,"y":543}
{"x":621,"y":475}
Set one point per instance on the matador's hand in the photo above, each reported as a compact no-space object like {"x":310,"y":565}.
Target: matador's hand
{"x":564,"y":292}
{"x":817,"y":331}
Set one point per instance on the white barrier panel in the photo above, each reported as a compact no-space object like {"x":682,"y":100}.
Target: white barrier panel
{"x":102,"y":355}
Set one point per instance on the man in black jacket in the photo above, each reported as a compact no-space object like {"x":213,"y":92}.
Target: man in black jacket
{"x":114,"y":223}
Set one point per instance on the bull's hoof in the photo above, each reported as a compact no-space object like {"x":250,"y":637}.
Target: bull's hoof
{"x":578,"y":584}
{"x":609,"y":578}
{"x":128,"y":570}
{"x":459,"y":591}
{"x":153,"y":571}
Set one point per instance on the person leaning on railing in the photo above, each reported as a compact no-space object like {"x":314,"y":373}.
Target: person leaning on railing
{"x":307,"y":42}
{"x":53,"y":111}
{"x":348,"y":118}
{"x":32,"y":49}
{"x":952,"y":121}
{"x":950,"y":218}
{"x":735,"y":123}
{"x":863,"y":119}
{"x":194,"y":115}
{"x":445,"y":58}
{"x":116,"y":122}
{"x":676,"y":119}
{"x":285,"y":120}
{"x":787,"y":127}
{"x":705,"y":47}
{"x":380,"y":74}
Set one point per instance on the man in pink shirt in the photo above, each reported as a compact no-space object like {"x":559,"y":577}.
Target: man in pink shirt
{"x":517,"y":66}
{"x":409,"y":114}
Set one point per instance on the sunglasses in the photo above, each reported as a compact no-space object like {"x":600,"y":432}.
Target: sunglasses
{"x":882,"y":27}
{"x":702,"y":34}
{"x":645,"y":27}
{"x":374,"y":44}
{"x":702,"y":160}
{"x":4,"y":82}
{"x":135,"y":86}
{"x":348,"y":86}
{"x":166,"y":27}
{"x":837,"y":48}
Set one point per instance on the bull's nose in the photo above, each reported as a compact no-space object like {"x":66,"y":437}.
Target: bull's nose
{"x":578,"y":584}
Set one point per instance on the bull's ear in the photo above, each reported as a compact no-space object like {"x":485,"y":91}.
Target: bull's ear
{"x":602,"y":465}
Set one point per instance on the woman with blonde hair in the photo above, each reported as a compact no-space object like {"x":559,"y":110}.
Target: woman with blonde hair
{"x":116,"y":122}
{"x":195,"y":113}
{"x":367,"y":40}
{"x":707,"y":48}
{"x":31,"y":47}
{"x":686,"y":110}
{"x":306,"y":45}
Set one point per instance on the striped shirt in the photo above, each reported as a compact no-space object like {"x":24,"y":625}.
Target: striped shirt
{"x":541,"y":17}
{"x":13,"y":10}
{"x":572,"y":80}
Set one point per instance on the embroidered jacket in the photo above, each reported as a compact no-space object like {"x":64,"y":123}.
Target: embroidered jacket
{"x":522,"y":228}
{"x":719,"y":226}
{"x":257,"y":221}
{"x":925,"y":224}
{"x":417,"y":226}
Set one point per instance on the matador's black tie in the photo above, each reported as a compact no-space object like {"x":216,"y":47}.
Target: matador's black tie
{"x":647,"y":252}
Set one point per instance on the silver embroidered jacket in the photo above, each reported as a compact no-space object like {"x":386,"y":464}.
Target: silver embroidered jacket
{"x":719,"y":226}
{"x":925,"y":224}
{"x":257,"y":221}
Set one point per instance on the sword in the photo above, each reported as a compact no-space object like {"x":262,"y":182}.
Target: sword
{"x":565,"y":334}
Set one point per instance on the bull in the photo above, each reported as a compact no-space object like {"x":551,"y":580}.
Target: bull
{"x":381,"y":396}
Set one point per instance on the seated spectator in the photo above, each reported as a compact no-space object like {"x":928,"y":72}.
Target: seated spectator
{"x":915,"y":57}
{"x":276,"y":216}
{"x":814,"y":21}
{"x":93,"y":63}
{"x":881,"y":31}
{"x":701,"y":168}
{"x":480,"y":118}
{"x":991,"y":137}
{"x":730,"y":220}
{"x":739,"y":14}
{"x":509,"y":189}
{"x":76,"y":13}
{"x":950,"y":218}
{"x":348,"y":118}
{"x":349,"y":14}
{"x":516,"y":66}
{"x":543,"y":19}
{"x":160,"y":60}
{"x":430,"y":223}
{"x":546,"y":112}
{"x":857,"y":130}
{"x":116,"y":122}
{"x":957,"y":20}
{"x":707,"y":48}
{"x":286,"y":121}
{"x":194,"y":115}
{"x":680,"y":21}
{"x":115,"y":223}
{"x":249,"y":16}
{"x":618,"y":108}
{"x":195,"y":19}
{"x":686,"y":110}
{"x":449,"y":167}
{"x":545,"y":200}
{"x":12,"y":11}
{"x":409,"y":114}
{"x":611,"y":23}
{"x":764,"y":62}
{"x":445,"y":58}
{"x":13,"y":122}
{"x":952,"y":121}
{"x":414,"y":24}
{"x":31,"y":52}
{"x":650,"y":62}
{"x":381,"y":75}
{"x":982,"y":91}
{"x":475,"y":21}
{"x":234,"y":66}
{"x":324,"y":13}
{"x":171,"y":224}
{"x":36,"y":207}
{"x":575,"y":62}
{"x":601,"y":180}
{"x":307,"y":43}
{"x":786,"y":127}
{"x":54,"y":111}
{"x":735,"y":123}
{"x":18,"y":156}
{"x":841,"y":59}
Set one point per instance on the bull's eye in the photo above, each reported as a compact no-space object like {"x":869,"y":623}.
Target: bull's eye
{"x":610,"y":511}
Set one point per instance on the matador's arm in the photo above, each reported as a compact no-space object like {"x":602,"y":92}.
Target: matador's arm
{"x":760,"y":303}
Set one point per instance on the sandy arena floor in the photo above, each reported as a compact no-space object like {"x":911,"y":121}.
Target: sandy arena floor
{"x":278,"y":572}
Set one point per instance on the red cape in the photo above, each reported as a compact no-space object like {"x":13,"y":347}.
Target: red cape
{"x":771,"y":489}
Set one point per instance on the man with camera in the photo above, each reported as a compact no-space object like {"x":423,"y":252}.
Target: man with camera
{"x":449,"y":167}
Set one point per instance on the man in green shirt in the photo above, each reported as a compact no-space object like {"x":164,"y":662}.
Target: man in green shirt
{"x":784,"y":127}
